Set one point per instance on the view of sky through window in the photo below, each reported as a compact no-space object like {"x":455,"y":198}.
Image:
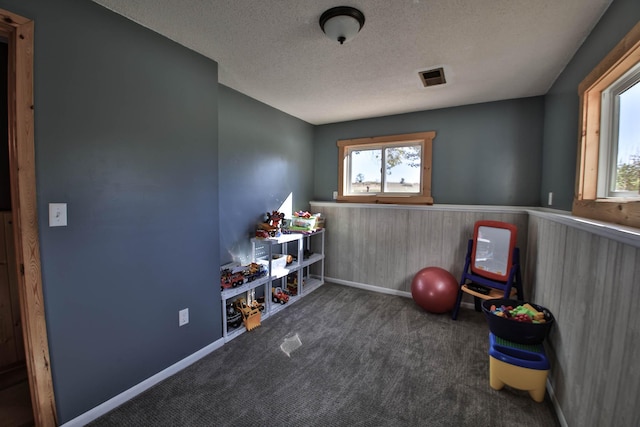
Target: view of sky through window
{"x":629,"y":127}
{"x":369,"y":162}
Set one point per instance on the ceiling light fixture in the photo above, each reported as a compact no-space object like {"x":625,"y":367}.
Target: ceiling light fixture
{"x":342,"y":23}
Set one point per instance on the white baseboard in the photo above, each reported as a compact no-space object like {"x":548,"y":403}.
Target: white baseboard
{"x":126,"y":395}
{"x":383,"y":290}
{"x":556,"y":405}
{"x":368,"y":287}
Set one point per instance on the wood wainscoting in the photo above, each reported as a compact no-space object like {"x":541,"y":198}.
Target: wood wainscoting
{"x":586,"y":272}
{"x":386,"y":245}
{"x":590,"y":283}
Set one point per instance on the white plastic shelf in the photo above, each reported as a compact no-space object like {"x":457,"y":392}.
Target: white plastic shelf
{"x":263,"y":250}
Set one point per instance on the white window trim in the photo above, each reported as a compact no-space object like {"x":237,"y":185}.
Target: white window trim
{"x":609,"y":127}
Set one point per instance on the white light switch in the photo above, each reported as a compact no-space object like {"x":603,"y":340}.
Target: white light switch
{"x":57,"y":214}
{"x":183,"y":317}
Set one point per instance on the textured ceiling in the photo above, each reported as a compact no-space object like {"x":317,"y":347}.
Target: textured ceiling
{"x":274,"y":50}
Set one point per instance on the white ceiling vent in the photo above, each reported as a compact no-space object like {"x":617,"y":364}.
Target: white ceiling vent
{"x":432,"y":77}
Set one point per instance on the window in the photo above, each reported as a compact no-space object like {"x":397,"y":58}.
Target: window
{"x":619,"y":161}
{"x":387,"y":169}
{"x":609,"y":150}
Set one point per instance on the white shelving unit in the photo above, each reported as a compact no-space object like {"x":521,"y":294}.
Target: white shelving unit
{"x":309,"y":271}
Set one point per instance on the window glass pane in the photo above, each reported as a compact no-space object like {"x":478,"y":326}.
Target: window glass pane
{"x":627,"y":177}
{"x":365,"y":171}
{"x":403,"y":166}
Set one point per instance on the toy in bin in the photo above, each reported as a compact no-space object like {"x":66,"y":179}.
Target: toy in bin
{"x":250,"y":315}
{"x":518,"y":321}
{"x":304,"y":222}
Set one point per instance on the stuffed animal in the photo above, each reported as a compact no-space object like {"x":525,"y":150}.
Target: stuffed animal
{"x":274,"y":219}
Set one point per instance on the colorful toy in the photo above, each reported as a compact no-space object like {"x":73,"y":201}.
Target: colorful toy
{"x":434,"y":289}
{"x":522,"y":313}
{"x":254,"y":271}
{"x":274,"y":219}
{"x":250,"y":315}
{"x":524,"y":367}
{"x":230,"y":279}
{"x":263,"y":234}
{"x":304,"y":222}
{"x":253,"y":302}
{"x":270,"y":227}
{"x":518,"y":321}
{"x":279,"y":296}
{"x":292,"y":284}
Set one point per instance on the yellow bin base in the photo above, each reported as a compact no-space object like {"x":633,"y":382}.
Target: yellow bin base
{"x":532,"y":380}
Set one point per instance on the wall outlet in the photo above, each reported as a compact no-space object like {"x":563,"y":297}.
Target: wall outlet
{"x":335,"y":195}
{"x":183,"y":317}
{"x":550,"y":198}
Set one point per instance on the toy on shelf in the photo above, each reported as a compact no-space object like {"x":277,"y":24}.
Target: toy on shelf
{"x":254,"y":271}
{"x":279,"y":296}
{"x":271,"y":226}
{"x":230,"y":278}
{"x":250,"y":315}
{"x":304,"y":222}
{"x":292,"y":284}
{"x":253,"y":302}
{"x":275,"y":218}
{"x":234,"y":318}
{"x":262,"y":234}
{"x":234,"y":276}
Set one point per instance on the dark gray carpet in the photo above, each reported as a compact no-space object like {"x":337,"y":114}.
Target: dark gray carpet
{"x":366,"y":359}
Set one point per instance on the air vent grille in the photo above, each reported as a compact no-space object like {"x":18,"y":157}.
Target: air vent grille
{"x":432,"y":77}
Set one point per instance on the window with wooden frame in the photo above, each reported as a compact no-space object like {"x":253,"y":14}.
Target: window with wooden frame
{"x":607,"y":156}
{"x":386,"y":169}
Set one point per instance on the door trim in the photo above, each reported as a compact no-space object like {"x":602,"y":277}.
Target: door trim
{"x":18,"y":32}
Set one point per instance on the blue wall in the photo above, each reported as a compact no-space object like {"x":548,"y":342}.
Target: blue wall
{"x":561,"y":107}
{"x":166,"y":173}
{"x":125,"y":134}
{"x":265,"y":156}
{"x":483,"y":154}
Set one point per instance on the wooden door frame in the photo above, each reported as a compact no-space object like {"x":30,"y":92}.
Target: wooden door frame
{"x":18,"y":31}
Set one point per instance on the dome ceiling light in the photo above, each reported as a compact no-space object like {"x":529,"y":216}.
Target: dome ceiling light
{"x":342,"y":23}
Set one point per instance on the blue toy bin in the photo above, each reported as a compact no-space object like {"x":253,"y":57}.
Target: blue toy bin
{"x":517,"y":332}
